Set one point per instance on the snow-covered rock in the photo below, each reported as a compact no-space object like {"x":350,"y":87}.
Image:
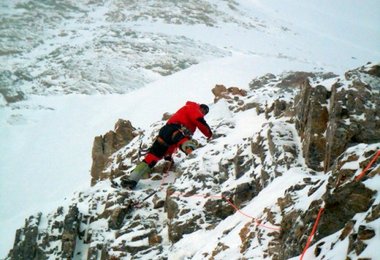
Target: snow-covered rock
{"x":250,"y":193}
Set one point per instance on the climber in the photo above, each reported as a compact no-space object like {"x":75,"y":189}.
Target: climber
{"x":176,"y":133}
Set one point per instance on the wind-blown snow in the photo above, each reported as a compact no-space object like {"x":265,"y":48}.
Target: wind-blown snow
{"x":46,"y":141}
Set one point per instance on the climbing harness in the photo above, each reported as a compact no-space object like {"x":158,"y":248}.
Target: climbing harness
{"x":142,"y":151}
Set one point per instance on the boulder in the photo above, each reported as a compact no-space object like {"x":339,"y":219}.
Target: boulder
{"x":220,"y":91}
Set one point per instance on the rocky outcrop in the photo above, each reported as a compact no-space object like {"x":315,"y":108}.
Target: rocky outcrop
{"x":220,"y":91}
{"x":32,"y":242}
{"x":354,"y":112}
{"x":329,"y":119}
{"x":312,"y":117}
{"x":234,"y":96}
{"x":25,"y":245}
{"x":71,"y":226}
{"x":332,"y":117}
{"x":344,"y":199}
{"x":105,"y":146}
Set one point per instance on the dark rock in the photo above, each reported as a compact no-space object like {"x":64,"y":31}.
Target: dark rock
{"x":25,"y":245}
{"x":353,"y":113}
{"x":356,"y":245}
{"x":172,"y":207}
{"x":374,"y":71}
{"x":179,"y":224}
{"x":351,"y":118}
{"x":374,"y":213}
{"x":99,"y":252}
{"x":218,"y":208}
{"x":365,"y":233}
{"x":262,"y":81}
{"x":116,"y":219}
{"x":277,"y":138}
{"x":246,"y":236}
{"x":177,"y":228}
{"x":219,"y":248}
{"x":154,"y":239}
{"x":295,"y":79}
{"x":9,"y":86}
{"x":243,"y":192}
{"x":311,"y":123}
{"x":347,"y":229}
{"x":291,"y":236}
{"x":70,"y":232}
{"x":342,"y":205}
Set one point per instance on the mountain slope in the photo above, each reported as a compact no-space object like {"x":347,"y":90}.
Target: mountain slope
{"x":89,"y":47}
{"x":56,"y":48}
{"x":104,"y":46}
{"x":252,"y":192}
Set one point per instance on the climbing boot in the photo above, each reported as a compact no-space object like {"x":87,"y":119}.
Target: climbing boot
{"x":189,"y":146}
{"x":128,"y":184}
{"x":141,"y":170}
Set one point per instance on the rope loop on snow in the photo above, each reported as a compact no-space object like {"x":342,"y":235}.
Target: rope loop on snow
{"x":257,"y":221}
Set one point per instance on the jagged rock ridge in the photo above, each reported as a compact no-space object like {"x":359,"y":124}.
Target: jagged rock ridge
{"x":298,"y":153}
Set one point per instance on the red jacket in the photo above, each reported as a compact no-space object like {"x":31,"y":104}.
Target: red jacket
{"x":192,"y":118}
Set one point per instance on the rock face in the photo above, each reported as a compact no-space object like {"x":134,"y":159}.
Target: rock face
{"x":342,"y":201}
{"x":311,"y":121}
{"x":328,"y":121}
{"x":326,"y":132}
{"x":105,"y":146}
{"x":354,"y":113}
{"x":318,"y":131}
{"x":71,"y":226}
{"x":25,"y":245}
{"x":33,"y":243}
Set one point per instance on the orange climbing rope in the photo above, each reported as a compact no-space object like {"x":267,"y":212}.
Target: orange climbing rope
{"x":312,"y":232}
{"x":258,"y":221}
{"x":361,"y":175}
{"x":321,"y":210}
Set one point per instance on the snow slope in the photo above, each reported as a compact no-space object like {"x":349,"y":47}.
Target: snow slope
{"x":46,"y":140}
